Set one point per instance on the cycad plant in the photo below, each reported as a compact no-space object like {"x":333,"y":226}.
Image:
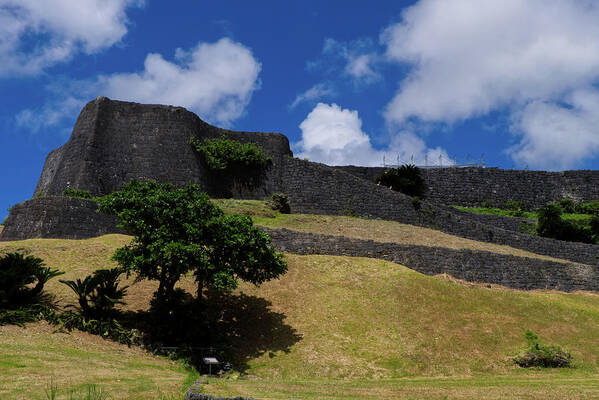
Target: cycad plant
{"x":17,"y":273}
{"x":99,"y":293}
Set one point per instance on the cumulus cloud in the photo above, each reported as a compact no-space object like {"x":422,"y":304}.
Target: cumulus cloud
{"x":316,"y":92}
{"x":215,"y":80}
{"x":558,"y":136}
{"x":468,"y":58}
{"x":35,"y":35}
{"x":334,"y":136}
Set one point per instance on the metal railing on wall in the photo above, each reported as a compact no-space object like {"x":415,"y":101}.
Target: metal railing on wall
{"x":437,"y":162}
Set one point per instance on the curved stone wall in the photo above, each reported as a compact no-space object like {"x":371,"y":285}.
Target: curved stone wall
{"x":57,"y":217}
{"x":473,"y":266}
{"x":473,"y":186}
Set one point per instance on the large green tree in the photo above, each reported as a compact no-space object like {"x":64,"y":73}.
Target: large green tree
{"x":177,"y":231}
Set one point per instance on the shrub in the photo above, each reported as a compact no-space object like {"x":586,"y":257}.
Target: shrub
{"x":17,"y":273}
{"x":567,"y":204}
{"x":517,"y":206}
{"x":280,"y":202}
{"x":416,"y":202}
{"x":486,"y":204}
{"x":222,"y":154}
{"x":589,"y":207}
{"x":79,"y":194}
{"x":99,"y":293}
{"x":553,"y":226}
{"x":538,"y":355}
{"x":405,"y":179}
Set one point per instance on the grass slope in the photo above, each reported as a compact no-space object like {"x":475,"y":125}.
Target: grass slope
{"x":351,"y":328}
{"x":360,"y":228}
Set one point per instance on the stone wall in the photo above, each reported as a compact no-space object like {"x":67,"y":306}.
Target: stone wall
{"x":115,"y":141}
{"x":472,"y":186}
{"x":57,"y":217}
{"x":474,"y":266}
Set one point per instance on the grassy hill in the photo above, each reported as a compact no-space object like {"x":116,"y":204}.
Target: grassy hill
{"x":335,"y":328}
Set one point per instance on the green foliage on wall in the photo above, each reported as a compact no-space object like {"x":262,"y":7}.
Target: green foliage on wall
{"x":222,"y":154}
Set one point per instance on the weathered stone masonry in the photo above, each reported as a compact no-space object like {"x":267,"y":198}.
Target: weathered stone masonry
{"x":113,"y":142}
{"x":473,"y":186}
{"x":474,"y":266}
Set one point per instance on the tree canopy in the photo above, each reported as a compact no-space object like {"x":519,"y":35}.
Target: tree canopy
{"x":177,"y":231}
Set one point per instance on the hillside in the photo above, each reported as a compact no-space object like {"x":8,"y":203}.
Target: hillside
{"x":333,"y":327}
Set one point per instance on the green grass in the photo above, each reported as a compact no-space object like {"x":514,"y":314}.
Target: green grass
{"x":498,"y":211}
{"x":339,"y":328}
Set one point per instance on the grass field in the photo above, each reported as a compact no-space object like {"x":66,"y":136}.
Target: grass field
{"x":345,"y":328}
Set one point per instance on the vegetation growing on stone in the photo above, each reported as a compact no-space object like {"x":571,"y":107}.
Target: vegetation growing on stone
{"x":79,"y":194}
{"x":406,"y":179}
{"x":223,"y":154}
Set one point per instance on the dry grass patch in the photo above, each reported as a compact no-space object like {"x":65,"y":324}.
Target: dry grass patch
{"x":387,"y":231}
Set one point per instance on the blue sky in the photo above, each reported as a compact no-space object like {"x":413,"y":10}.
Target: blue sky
{"x":349,"y":82}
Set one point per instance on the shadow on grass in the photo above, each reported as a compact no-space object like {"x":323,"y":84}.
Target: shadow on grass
{"x":234,"y":328}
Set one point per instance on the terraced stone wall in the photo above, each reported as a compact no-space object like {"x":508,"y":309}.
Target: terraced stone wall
{"x":473,"y":186}
{"x":474,"y":266}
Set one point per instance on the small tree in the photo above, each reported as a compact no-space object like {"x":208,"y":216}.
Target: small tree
{"x":17,"y":273}
{"x":180,"y":230}
{"x":405,"y":179}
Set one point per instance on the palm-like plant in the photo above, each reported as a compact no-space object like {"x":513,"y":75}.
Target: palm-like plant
{"x":98,"y":293}
{"x":17,"y":272}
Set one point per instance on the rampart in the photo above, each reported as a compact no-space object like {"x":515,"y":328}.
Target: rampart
{"x":474,"y":266}
{"x":473,"y":186}
{"x":113,"y":142}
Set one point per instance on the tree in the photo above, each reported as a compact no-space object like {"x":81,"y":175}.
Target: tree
{"x":17,"y":273}
{"x":177,"y":231}
{"x":405,"y":179}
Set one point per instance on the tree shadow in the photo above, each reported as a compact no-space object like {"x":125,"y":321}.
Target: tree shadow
{"x":234,"y":328}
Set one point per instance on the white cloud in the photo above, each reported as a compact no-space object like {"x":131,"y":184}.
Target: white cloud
{"x":468,"y":58}
{"x":334,"y":136}
{"x":50,"y":115}
{"x":558,"y":136}
{"x":356,"y":59}
{"x":316,"y":92}
{"x":215,"y":80}
{"x":35,"y":35}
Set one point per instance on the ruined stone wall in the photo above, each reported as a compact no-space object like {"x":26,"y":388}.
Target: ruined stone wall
{"x":472,"y":186}
{"x":473,"y":266}
{"x":114,"y":141}
{"x":57,"y":217}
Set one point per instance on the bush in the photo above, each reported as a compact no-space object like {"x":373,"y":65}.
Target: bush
{"x":553,"y":226}
{"x":280,"y":202}
{"x":405,"y":179}
{"x":222,"y":154}
{"x":79,"y":194}
{"x":17,"y":273}
{"x":487,"y":204}
{"x":589,"y":207}
{"x":99,"y":293}
{"x":538,"y":355}
{"x":568,"y":205}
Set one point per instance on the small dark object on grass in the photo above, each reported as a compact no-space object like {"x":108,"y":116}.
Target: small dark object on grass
{"x":539,"y":355}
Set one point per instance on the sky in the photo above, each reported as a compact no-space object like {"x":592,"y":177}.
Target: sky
{"x":514,"y":83}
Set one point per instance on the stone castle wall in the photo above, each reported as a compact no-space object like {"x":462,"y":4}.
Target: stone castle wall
{"x":470,"y":265}
{"x":473,"y":186}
